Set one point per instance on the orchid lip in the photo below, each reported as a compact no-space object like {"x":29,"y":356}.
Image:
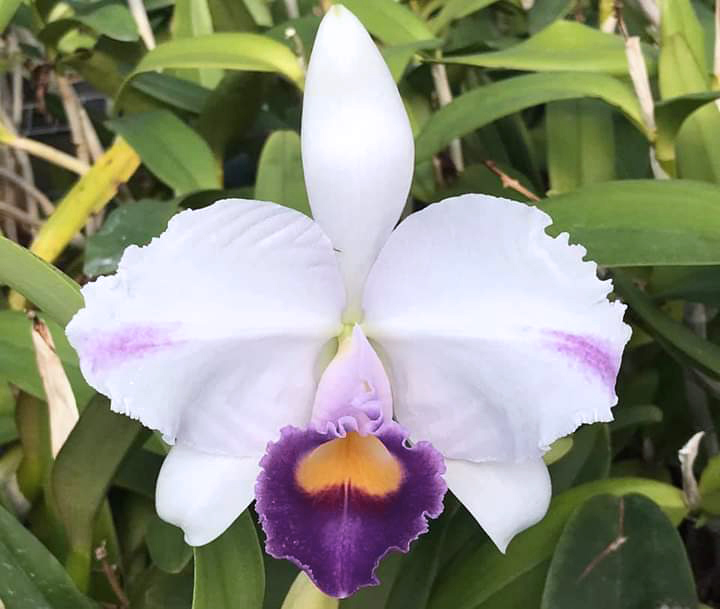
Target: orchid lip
{"x":336,"y":506}
{"x":336,"y":497}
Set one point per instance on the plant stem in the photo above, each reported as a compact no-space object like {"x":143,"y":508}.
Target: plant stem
{"x":48,"y":153}
{"x":291,"y":6}
{"x":695,"y":317}
{"x":444,"y":94}
{"x":137,"y":9}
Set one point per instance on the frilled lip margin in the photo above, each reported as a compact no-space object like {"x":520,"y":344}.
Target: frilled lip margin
{"x":336,"y":506}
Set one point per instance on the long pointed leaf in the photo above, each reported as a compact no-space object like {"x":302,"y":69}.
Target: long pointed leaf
{"x":483,"y":105}
{"x":41,"y":283}
{"x":231,"y":51}
{"x":80,"y":483}
{"x":229,"y":572}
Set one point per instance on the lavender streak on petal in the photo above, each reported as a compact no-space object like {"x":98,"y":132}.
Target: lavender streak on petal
{"x":112,"y":348}
{"x":593,"y":354}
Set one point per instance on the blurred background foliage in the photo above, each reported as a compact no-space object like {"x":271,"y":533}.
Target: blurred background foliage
{"x":114,"y":115}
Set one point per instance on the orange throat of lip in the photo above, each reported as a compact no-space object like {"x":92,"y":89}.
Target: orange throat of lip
{"x":358,"y":462}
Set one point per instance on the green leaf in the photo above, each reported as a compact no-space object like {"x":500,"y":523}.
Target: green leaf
{"x":679,"y":72}
{"x":376,"y":596}
{"x":191,"y":18}
{"x":478,"y":178}
{"x":30,"y":576}
{"x":672,"y":335}
{"x":694,"y":283}
{"x":398,"y":57}
{"x":32,"y":420}
{"x":484,"y":105}
{"x":79,"y":483}
{"x":697,"y":154}
{"x":259,"y":11}
{"x":231,"y":16}
{"x":562,"y":46}
{"x":159,"y":590}
{"x":139,"y":471}
{"x":167,"y":546}
{"x":587,"y":460}
{"x":633,"y":222}
{"x":131,"y":224}
{"x":230,"y":110}
{"x":17,"y":357}
{"x":670,"y":114}
{"x":232,"y":51}
{"x":683,"y":71}
{"x":679,"y":19}
{"x":229,"y":571}
{"x":8,"y":428}
{"x":108,"y":17}
{"x":463,"y":585}
{"x":456,"y":9}
{"x":709,"y":487}
{"x":303,"y":594}
{"x":105,"y":69}
{"x":558,"y":449}
{"x":173,"y":91}
{"x":608,"y":546}
{"x":580,"y":142}
{"x":634,"y":416}
{"x":416,"y":577}
{"x":390,"y":21}
{"x":47,"y":287}
{"x":171,"y":150}
{"x":545,"y":12}
{"x":7,"y":12}
{"x":280,"y":175}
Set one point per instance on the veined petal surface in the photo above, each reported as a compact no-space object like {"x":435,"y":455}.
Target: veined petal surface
{"x":505,"y":498}
{"x":498,"y":338}
{"x":203,"y":494}
{"x":357,"y":145}
{"x":210,"y":333}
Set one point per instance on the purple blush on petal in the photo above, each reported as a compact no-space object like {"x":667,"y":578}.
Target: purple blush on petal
{"x":107,"y":349}
{"x":594,"y":354}
{"x":339,"y":536}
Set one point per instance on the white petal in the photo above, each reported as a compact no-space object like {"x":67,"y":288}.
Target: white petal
{"x":357,"y":145}
{"x":505,"y":498}
{"x":210,"y":334}
{"x":203,"y":494}
{"x":499,"y":339}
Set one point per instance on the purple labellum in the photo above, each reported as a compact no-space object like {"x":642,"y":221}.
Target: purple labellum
{"x":108,"y":349}
{"x":593,"y":354}
{"x":336,"y":506}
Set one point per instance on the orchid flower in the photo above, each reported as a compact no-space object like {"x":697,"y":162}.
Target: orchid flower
{"x":343,"y":373}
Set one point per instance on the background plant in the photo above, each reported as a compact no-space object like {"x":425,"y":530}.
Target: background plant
{"x":115,"y":115}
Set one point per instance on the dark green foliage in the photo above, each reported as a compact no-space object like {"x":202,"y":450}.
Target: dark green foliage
{"x":545,"y":112}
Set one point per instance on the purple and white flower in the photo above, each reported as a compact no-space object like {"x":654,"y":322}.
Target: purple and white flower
{"x":341,"y":372}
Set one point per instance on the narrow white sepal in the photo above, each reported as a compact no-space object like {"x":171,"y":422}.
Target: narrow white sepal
{"x":357,"y":145}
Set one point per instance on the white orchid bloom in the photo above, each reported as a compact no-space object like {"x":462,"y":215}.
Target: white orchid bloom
{"x":490,"y":340}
